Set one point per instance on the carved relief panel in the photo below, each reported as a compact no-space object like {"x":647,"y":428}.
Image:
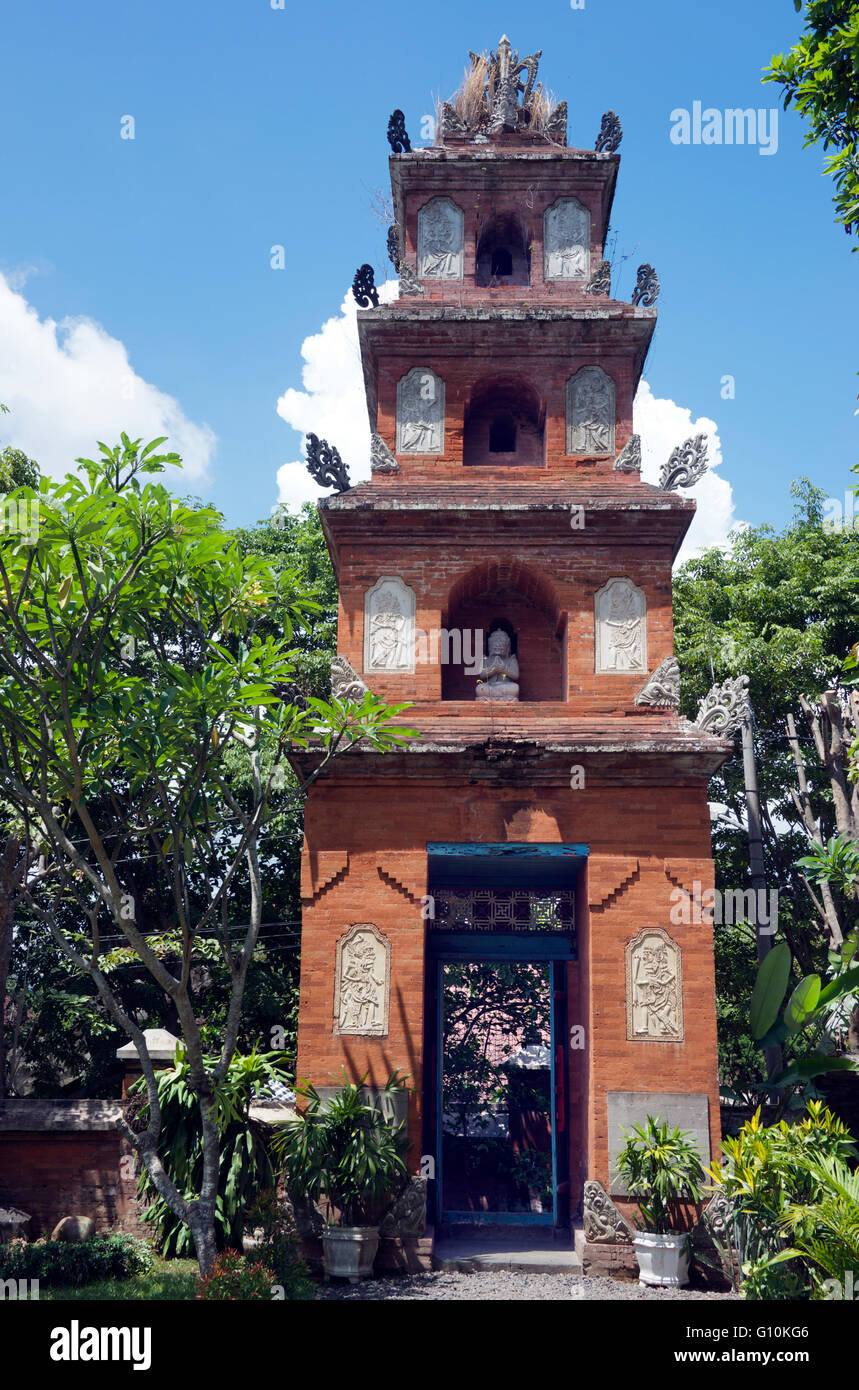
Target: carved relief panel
{"x":362,"y":982}
{"x":441,"y":238}
{"x":591,"y":412}
{"x":566,"y":241}
{"x":389,"y":626}
{"x":420,"y":412}
{"x":654,"y":988}
{"x":620,"y":625}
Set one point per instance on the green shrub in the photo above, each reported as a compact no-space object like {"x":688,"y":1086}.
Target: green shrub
{"x":662,"y":1168}
{"x":58,"y":1262}
{"x":235,"y":1277}
{"x":780,"y":1178}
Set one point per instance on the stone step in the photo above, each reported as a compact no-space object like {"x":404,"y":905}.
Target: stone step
{"x":531,"y":1252}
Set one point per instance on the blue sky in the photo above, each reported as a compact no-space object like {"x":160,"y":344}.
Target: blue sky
{"x":257,"y":127}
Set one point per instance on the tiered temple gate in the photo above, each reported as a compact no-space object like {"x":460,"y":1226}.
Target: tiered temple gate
{"x":506,"y":501}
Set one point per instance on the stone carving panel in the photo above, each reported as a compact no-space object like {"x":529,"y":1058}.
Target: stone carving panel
{"x":654,"y":988}
{"x":591,"y":412}
{"x":441,"y":236}
{"x":420,"y":412}
{"x":389,"y":626}
{"x":566,"y":241}
{"x":621,"y":628}
{"x":362,"y":982}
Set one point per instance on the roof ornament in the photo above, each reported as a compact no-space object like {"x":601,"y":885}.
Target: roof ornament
{"x":394,"y":246}
{"x":611,"y":134}
{"x":688,"y":463}
{"x":364,"y":288}
{"x":397,"y":136}
{"x":725,"y":707}
{"x":600,"y":283}
{"x":647,"y":287}
{"x":325,"y":465}
{"x":503,"y":95}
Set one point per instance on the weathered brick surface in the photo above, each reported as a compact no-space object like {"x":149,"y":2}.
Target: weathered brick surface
{"x":56,"y":1175}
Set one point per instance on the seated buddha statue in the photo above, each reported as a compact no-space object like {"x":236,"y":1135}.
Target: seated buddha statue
{"x":499,"y":674}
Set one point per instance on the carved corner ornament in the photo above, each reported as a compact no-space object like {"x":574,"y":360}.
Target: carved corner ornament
{"x":346,"y":684}
{"x":725,"y":707}
{"x":381,"y":458}
{"x":629,"y":458}
{"x":362,"y":982}
{"x":654,"y":988}
{"x":687,"y":464}
{"x":603,"y":1223}
{"x":662,"y":690}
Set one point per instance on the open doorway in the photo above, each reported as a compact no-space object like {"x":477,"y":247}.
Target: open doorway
{"x":497,"y":1150}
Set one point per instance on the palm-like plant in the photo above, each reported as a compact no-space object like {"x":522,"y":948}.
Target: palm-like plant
{"x":347,"y":1150}
{"x":661,"y":1169}
{"x":826,"y":1232}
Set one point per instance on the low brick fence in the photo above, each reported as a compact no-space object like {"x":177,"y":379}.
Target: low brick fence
{"x":64,"y":1158}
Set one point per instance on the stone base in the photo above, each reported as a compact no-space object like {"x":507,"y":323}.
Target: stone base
{"x":611,"y":1261}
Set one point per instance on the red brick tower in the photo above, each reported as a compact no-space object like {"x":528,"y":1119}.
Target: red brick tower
{"x":506,"y":501}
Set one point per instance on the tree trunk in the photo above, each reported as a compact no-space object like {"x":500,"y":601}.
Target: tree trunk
{"x":8,"y":879}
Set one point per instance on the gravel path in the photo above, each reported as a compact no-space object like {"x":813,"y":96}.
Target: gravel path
{"x":506,"y":1285}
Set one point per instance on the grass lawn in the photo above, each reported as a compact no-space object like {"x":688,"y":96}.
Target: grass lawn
{"x":170,"y":1279}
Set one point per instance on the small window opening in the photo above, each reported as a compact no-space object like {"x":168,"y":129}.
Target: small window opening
{"x":502,"y":435}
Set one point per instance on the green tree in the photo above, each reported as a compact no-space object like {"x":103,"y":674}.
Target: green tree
{"x":136,"y":690}
{"x":820,"y":80}
{"x":784,"y":608}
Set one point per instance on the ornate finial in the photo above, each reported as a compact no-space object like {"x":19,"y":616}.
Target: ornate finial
{"x":725,"y":707}
{"x":381,"y":458}
{"x":687,"y":464}
{"x":325,"y":465}
{"x":601,"y":282}
{"x":647,"y":287}
{"x":364,"y":288}
{"x":663,"y":687}
{"x":394,"y":246}
{"x":346,"y":684}
{"x":611,"y":134}
{"x":397,"y":137}
{"x":629,"y":458}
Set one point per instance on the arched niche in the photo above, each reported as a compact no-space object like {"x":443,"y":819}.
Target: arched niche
{"x":503,"y":253}
{"x":441,"y":237}
{"x":566,"y":241}
{"x":521,"y":601}
{"x":504,"y":424}
{"x":591,"y":412}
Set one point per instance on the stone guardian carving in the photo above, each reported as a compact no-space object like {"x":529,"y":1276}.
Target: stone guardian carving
{"x":621,"y":628}
{"x":566,"y":240}
{"x":603,"y":1223}
{"x":346,"y":684}
{"x":420,"y":412}
{"x":389,"y":626}
{"x":629,"y":458}
{"x":590,"y":412}
{"x":654,"y":988}
{"x":362,"y":982}
{"x":441,"y":237}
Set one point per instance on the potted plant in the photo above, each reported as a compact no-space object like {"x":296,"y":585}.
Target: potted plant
{"x":349,"y":1151}
{"x":661,"y":1168}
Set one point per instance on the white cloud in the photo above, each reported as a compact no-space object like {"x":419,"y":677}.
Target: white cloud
{"x":663,"y":425}
{"x":332,"y":405}
{"x":70,"y":383}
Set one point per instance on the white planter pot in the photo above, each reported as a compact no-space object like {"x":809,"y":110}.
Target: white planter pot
{"x":662,"y":1260}
{"x":349,"y":1251}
